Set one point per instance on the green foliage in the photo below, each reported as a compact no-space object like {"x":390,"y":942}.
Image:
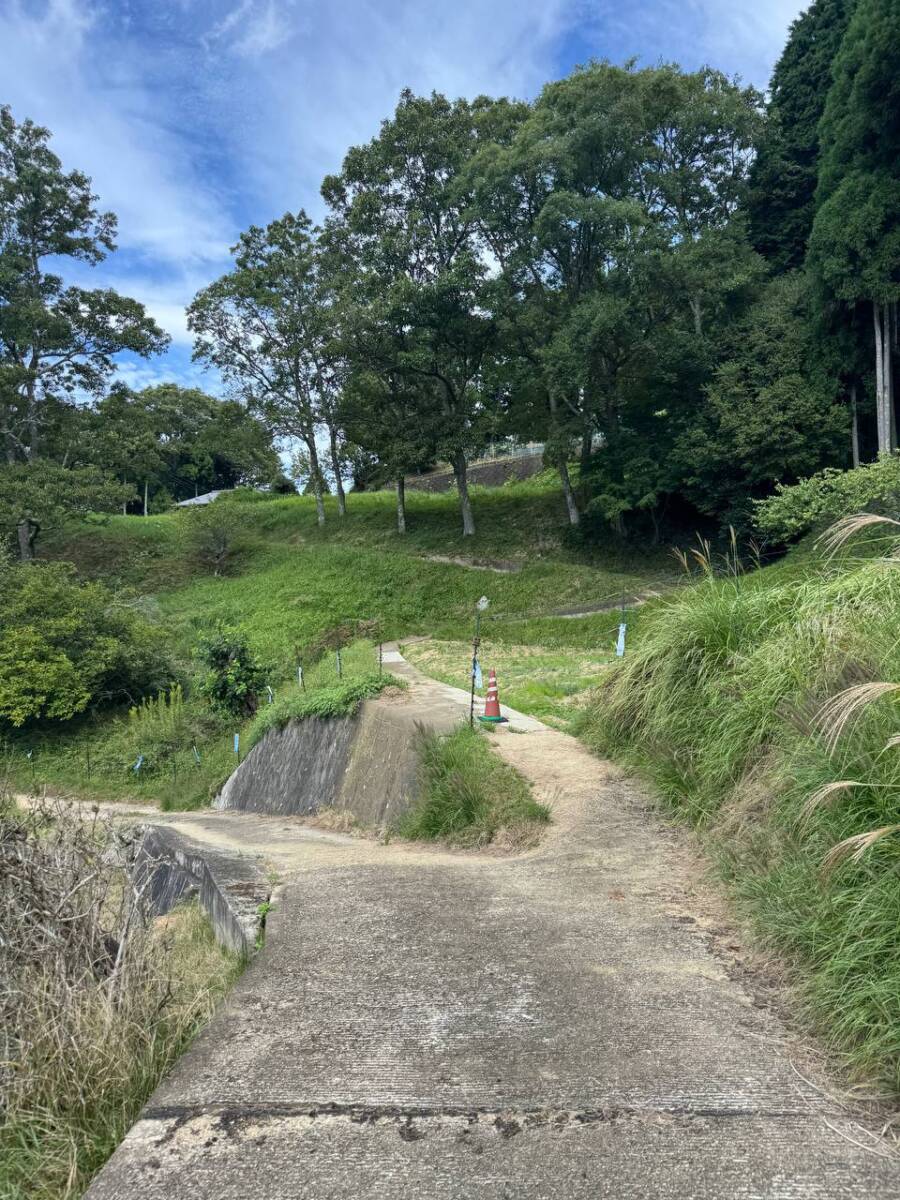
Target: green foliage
{"x":469,"y":795}
{"x":67,"y":646}
{"x":855,"y":242}
{"x":337,"y":700}
{"x":717,"y":701}
{"x":771,"y":415}
{"x":785,"y":172}
{"x":55,"y":341}
{"x":212,"y":532}
{"x":234,"y":677}
{"x":41,"y":496}
{"x":824,"y":498}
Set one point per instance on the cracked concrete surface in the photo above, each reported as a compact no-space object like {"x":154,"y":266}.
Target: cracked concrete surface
{"x":437,"y":1025}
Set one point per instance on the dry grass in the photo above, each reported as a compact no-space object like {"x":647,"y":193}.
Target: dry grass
{"x":96,"y":999}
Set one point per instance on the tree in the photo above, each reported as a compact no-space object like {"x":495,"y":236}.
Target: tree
{"x":854,"y":247}
{"x":386,"y":414}
{"x":783,"y":178}
{"x":179,"y":439}
{"x":266,"y":326}
{"x":402,"y":210}
{"x":772,"y":414}
{"x":56,"y":342}
{"x":40,"y":496}
{"x":67,"y":646}
{"x":610,"y":205}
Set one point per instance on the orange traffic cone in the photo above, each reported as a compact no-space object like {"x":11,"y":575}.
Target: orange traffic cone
{"x":492,"y":700}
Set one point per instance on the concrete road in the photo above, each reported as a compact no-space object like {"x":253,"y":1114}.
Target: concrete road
{"x":562,"y":1024}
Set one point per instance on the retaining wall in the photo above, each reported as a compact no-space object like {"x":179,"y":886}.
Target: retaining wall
{"x":230,"y":889}
{"x":367,"y":765}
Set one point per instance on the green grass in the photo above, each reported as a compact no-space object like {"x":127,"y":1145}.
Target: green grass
{"x":549,"y":682}
{"x":95,"y":757}
{"x":470,"y":797}
{"x":104,"y":1067}
{"x":298,"y":590}
{"x":717,"y":702}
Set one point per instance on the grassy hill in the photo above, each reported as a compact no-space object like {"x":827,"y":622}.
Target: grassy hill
{"x":755,"y":704}
{"x":297,"y":589}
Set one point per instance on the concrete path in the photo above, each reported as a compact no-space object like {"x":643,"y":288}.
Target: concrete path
{"x":441,"y":1026}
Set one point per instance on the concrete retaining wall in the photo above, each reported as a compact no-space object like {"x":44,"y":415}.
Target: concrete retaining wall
{"x":367,"y":765}
{"x":230,"y":889}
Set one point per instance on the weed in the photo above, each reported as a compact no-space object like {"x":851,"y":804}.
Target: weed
{"x":469,"y":794}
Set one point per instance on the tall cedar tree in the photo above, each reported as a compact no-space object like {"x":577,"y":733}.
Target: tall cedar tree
{"x":854,"y":248}
{"x":783,"y":178}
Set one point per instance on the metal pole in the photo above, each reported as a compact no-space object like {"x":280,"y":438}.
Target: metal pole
{"x":337,"y":655}
{"x":476,"y":642}
{"x":380,"y":657}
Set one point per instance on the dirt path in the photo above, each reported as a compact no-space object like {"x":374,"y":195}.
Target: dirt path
{"x":555,"y":1025}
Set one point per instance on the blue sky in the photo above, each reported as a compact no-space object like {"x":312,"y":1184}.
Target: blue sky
{"x":196,"y":118}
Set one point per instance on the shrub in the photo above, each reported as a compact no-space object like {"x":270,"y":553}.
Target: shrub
{"x":828,"y":496}
{"x":66,"y":646}
{"x":211,"y":532}
{"x":234,"y":678}
{"x":339,"y":700}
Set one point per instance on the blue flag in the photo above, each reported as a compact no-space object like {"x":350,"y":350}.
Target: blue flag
{"x":476,"y":674}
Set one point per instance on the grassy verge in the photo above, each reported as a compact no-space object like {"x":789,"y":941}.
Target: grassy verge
{"x":98,"y":999}
{"x":720,"y":702}
{"x":470,"y":796}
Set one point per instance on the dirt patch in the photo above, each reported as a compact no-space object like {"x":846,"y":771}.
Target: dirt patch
{"x":500,"y":566}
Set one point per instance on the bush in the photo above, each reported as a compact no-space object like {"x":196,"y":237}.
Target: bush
{"x":66,"y":646}
{"x":234,"y":678}
{"x":211,"y":532}
{"x":816,"y":502}
{"x":469,"y":794}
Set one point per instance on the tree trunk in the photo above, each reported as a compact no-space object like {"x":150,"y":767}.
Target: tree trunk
{"x":316,"y":480}
{"x":460,"y":469}
{"x":401,"y":504}
{"x":888,"y":372}
{"x":146,"y":496}
{"x":698,"y":315}
{"x":336,"y":467}
{"x":882,"y":416}
{"x":571,"y":504}
{"x":124,"y":502}
{"x":26,"y":531}
{"x":587,"y":445}
{"x":854,"y":426}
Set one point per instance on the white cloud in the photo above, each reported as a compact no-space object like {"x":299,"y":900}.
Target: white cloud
{"x":195,"y":118}
{"x":60,"y":68}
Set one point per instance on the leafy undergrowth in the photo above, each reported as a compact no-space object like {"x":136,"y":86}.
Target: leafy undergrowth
{"x":721,"y":702}
{"x":470,"y":797}
{"x":185,"y":751}
{"x":98,"y":1000}
{"x":297,"y":591}
{"x":339,"y":700}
